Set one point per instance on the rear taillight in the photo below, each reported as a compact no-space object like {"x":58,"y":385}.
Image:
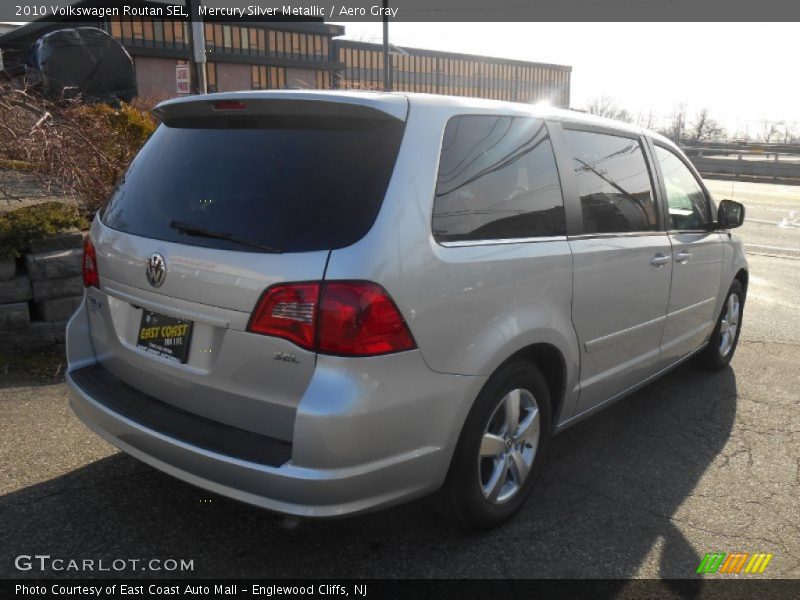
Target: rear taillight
{"x":289,"y":312}
{"x":358,"y":318}
{"x":91,"y":277}
{"x":347,"y":318}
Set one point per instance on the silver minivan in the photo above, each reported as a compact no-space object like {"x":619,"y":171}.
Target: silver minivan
{"x":323,"y":303}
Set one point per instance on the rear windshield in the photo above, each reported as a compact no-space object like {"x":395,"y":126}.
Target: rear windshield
{"x":293,"y":184}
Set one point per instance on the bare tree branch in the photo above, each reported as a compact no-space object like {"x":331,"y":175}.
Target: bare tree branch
{"x":705,"y":128}
{"x":609,"y":108}
{"x":69,"y":146}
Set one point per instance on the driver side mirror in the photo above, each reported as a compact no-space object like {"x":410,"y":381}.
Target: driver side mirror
{"x":730,"y":214}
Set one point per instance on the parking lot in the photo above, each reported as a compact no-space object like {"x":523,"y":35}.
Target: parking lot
{"x":694,"y":463}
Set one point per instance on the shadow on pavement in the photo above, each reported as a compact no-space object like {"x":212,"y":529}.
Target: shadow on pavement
{"x":606,"y":501}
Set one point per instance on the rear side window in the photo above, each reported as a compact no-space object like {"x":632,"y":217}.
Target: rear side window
{"x":613,"y":183}
{"x":287,"y":183}
{"x":497,"y":180}
{"x":688,"y":205}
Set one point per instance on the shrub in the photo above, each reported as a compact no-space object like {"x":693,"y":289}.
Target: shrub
{"x":102,"y":142}
{"x":81,"y":149}
{"x":129,"y":127}
{"x":17,"y":165}
{"x":20,"y":227}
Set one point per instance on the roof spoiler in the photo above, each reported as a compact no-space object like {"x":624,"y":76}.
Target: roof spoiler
{"x":284,"y":103}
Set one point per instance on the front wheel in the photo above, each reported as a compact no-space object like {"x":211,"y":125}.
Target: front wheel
{"x":725,"y":336}
{"x":500,"y":451}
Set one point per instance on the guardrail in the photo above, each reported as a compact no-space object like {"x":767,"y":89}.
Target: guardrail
{"x":746,"y":161}
{"x":746,"y":147}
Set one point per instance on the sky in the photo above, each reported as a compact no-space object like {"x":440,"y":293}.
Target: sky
{"x":742,"y":72}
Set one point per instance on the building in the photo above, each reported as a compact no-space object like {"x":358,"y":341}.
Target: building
{"x":239,"y":56}
{"x":429,"y":71}
{"x":4,"y":29}
{"x":270,"y":55}
{"x":280,"y":54}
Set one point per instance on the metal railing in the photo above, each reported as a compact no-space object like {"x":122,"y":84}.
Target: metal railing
{"x":741,"y":160}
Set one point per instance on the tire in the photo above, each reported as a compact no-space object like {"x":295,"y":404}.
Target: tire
{"x":473,"y":496}
{"x":721,"y":346}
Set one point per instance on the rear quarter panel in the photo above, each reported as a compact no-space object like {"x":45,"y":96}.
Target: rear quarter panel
{"x":469,"y":307}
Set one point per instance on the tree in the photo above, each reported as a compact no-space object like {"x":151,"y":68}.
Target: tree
{"x":646,"y":121}
{"x":789,"y":132}
{"x":705,"y":128}
{"x":676,"y":130}
{"x":78,"y":149}
{"x":609,"y":108}
{"x":770,"y":130}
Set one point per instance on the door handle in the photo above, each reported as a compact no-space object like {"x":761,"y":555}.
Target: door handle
{"x":683,"y":256}
{"x":659,"y":260}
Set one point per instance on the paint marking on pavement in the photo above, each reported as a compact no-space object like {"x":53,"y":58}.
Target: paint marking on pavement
{"x":765,"y":222}
{"x":783,"y":248}
{"x":783,"y":223}
{"x":792,"y":253}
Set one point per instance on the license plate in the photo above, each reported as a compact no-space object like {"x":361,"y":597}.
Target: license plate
{"x":164,"y":336}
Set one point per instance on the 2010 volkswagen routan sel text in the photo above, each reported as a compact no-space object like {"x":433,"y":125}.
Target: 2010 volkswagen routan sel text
{"x":322,"y":303}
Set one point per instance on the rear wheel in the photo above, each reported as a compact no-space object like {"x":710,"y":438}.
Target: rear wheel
{"x":725,"y":336}
{"x":500,"y":451}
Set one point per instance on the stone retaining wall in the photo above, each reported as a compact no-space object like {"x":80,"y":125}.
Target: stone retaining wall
{"x":39,"y":292}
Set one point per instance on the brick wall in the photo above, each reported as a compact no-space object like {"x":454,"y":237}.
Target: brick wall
{"x":155,"y":77}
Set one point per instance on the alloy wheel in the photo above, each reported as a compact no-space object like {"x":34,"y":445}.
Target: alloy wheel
{"x":729,"y":325}
{"x":508,"y":446}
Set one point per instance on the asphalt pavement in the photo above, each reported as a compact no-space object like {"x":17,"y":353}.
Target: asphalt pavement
{"x":691,"y":464}
{"x":772,"y":215}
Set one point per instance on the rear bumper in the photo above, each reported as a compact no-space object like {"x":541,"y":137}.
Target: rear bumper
{"x":359,"y":442}
{"x":286,"y":489}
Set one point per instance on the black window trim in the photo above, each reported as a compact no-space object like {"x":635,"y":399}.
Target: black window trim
{"x":663,"y":188}
{"x":575,"y":226}
{"x":548,"y":124}
{"x":499,"y":241}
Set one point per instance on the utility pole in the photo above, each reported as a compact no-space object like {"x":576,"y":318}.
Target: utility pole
{"x":387,"y":57}
{"x":197,"y":49}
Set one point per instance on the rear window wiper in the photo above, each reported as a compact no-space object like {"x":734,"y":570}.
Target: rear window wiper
{"x":189,"y":229}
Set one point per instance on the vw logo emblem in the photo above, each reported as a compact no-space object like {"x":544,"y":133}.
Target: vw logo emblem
{"x":156,"y":269}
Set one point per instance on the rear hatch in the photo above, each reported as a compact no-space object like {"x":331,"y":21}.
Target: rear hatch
{"x":232,"y":194}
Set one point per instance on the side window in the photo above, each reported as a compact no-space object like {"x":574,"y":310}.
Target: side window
{"x":688,"y":205}
{"x":613,"y":183}
{"x":497,"y":180}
